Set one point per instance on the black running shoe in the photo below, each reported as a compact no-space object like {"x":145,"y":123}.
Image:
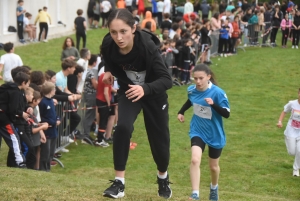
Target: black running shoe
{"x":116,"y":190}
{"x":164,"y":189}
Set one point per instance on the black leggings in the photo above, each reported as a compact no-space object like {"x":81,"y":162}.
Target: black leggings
{"x":43,"y":25}
{"x":78,"y":37}
{"x":285,"y":35}
{"x":296,"y":37}
{"x":156,"y":120}
{"x":273,"y":34}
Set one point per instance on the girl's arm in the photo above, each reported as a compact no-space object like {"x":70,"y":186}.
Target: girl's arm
{"x":94,"y":83}
{"x":224,"y":112}
{"x":106,"y":95}
{"x":185,"y":107}
{"x":281,"y":117}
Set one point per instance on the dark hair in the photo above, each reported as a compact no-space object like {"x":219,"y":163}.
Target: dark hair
{"x":21,"y":77}
{"x":35,"y":87}
{"x":65,"y":43}
{"x":8,"y":47}
{"x":78,"y":69}
{"x":49,"y":74}
{"x":45,"y":8}
{"x":79,"y":12}
{"x":148,"y":26}
{"x":207,"y":70}
{"x":23,"y":69}
{"x":175,"y":26}
{"x":178,"y":19}
{"x":205,"y":20}
{"x":28,"y":15}
{"x":216,"y":15}
{"x":122,"y":14}
{"x":36,"y":95}
{"x":93,"y":59}
{"x":166,"y":15}
{"x":84,"y":52}
{"x":20,"y":1}
{"x":68,"y":63}
{"x":37,"y":77}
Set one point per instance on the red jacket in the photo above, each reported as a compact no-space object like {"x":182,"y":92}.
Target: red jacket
{"x":236,"y":30}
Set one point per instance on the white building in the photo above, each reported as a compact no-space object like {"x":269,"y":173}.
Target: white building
{"x":59,"y":10}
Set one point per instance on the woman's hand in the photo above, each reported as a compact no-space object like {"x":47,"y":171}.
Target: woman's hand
{"x":136,"y":92}
{"x":108,"y":78}
{"x":180,"y":117}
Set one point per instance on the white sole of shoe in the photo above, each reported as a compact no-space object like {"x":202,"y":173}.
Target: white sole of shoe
{"x":120,"y":195}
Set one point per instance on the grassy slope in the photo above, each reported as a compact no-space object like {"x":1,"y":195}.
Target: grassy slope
{"x":254,"y":164}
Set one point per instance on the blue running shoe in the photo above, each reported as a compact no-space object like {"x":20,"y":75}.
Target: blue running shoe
{"x":194,"y":196}
{"x":213,"y":195}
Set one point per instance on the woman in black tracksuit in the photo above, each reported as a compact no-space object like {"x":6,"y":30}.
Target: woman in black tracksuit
{"x":133,"y":57}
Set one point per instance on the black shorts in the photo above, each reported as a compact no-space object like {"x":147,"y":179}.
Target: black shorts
{"x":154,"y":14}
{"x":90,"y":14}
{"x":96,"y":17}
{"x":212,"y":152}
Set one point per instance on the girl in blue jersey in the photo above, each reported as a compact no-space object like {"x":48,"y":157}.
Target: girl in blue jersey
{"x":210,"y":104}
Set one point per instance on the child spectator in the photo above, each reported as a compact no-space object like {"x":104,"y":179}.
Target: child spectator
{"x":85,"y":55}
{"x":33,"y":134}
{"x":29,"y":28}
{"x":38,"y":135}
{"x":74,"y":79}
{"x":296,"y":30}
{"x":106,"y":8}
{"x":105,"y":109}
{"x":96,"y":17}
{"x":205,"y":41}
{"x":20,"y":21}
{"x":68,"y":67}
{"x":69,"y":50}
{"x":166,"y":23}
{"x":148,"y":18}
{"x":121,"y":4}
{"x":186,"y":57}
{"x":224,"y":39}
{"x":9,"y":61}
{"x":276,"y":20}
{"x":48,"y":115}
{"x":43,"y":18}
{"x":90,"y":12}
{"x":235,"y":34}
{"x":80,"y":26}
{"x":10,"y":96}
{"x":90,"y":86}
{"x":285,"y":28}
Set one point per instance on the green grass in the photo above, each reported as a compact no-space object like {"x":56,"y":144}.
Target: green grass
{"x":254,"y":164}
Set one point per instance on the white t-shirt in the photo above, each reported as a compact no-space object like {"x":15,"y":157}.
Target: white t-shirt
{"x":26,"y":21}
{"x":10,"y":61}
{"x":105,"y":6}
{"x":84,"y":64}
{"x":188,"y":7}
{"x":293,"y":125}
{"x":128,"y":2}
{"x":160,"y":6}
{"x":167,"y":6}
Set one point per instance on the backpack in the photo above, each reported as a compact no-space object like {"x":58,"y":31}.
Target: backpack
{"x":11,"y":29}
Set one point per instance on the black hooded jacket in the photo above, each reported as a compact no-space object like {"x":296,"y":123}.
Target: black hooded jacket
{"x":12,"y":104}
{"x":157,"y":79}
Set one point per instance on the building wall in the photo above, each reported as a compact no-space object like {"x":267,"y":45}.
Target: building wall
{"x":59,"y":10}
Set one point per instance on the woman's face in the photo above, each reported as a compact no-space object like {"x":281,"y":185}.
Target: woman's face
{"x":286,"y":16}
{"x":53,"y":79}
{"x":249,"y":11}
{"x":201,"y":80}
{"x":68,"y":42}
{"x":122,"y":34}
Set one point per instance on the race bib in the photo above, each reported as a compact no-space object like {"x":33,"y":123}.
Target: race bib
{"x":202,"y":111}
{"x":137,"y":78}
{"x":296,"y":119}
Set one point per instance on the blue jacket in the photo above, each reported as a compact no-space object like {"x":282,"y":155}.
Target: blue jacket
{"x":48,"y":114}
{"x":224,"y":34}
